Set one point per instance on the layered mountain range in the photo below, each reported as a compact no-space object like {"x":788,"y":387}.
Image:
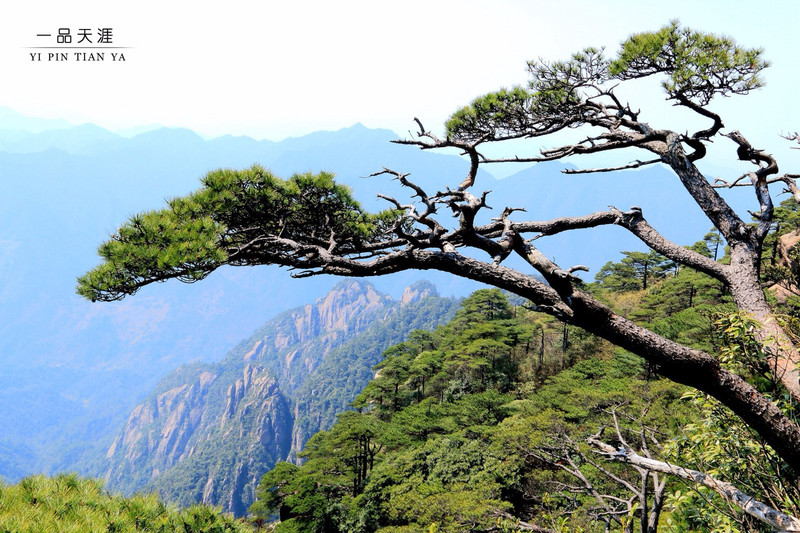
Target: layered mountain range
{"x":208,"y":432}
{"x":73,"y":370}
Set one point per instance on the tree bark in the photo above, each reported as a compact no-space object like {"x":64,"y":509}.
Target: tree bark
{"x":745,"y":245}
{"x":748,"y":504}
{"x":749,"y":296}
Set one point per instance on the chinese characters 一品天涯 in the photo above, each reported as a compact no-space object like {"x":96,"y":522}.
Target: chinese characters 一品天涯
{"x":84,"y":35}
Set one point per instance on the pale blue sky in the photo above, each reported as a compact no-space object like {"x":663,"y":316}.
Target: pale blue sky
{"x":272,"y":70}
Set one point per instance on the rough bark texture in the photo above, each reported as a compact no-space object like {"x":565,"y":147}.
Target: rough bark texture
{"x":748,"y":504}
{"x":742,"y":273}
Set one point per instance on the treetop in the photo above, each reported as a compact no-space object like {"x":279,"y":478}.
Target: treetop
{"x":561,"y":94}
{"x":698,"y":65}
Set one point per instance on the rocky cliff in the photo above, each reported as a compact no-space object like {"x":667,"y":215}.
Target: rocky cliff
{"x":209,"y":432}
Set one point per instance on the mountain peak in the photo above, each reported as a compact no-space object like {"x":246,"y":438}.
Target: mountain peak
{"x":349,"y":298}
{"x":418,"y":291}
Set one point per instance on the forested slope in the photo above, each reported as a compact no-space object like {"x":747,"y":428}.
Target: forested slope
{"x":208,"y":432}
{"x":487,"y":423}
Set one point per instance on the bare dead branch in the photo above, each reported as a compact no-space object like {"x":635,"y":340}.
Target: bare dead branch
{"x":767,"y":166}
{"x":469,"y":148}
{"x":635,"y":164}
{"x":793,"y":137}
{"x":634,"y":222}
{"x":576,"y":268}
{"x":791,"y":185}
{"x":402,"y":207}
{"x":590,"y":145}
{"x":730,"y":493}
{"x":720,"y":183}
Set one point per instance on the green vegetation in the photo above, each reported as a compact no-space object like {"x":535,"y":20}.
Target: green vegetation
{"x":635,"y":271}
{"x":208,"y":432}
{"x":70,"y":504}
{"x":419,"y":446}
{"x":346,"y":370}
{"x":437,"y":439}
{"x":484,"y":424}
{"x":221,"y":224}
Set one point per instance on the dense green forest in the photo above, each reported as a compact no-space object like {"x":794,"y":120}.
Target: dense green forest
{"x":484,"y":424}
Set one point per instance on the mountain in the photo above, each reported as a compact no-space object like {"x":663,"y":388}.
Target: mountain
{"x":73,"y":370}
{"x":86,"y":139}
{"x":12,"y":121}
{"x":208,"y":432}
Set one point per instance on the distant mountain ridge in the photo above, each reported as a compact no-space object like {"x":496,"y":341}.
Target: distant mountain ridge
{"x":208,"y":432}
{"x":73,"y":370}
{"x":11,"y":120}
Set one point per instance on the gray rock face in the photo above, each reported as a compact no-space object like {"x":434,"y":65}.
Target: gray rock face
{"x":208,"y":433}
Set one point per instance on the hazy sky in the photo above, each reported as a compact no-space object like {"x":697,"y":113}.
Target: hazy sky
{"x":272,"y":70}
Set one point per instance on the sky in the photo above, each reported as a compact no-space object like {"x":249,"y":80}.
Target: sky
{"x":273,"y":70}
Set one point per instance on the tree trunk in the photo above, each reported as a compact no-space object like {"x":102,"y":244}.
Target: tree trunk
{"x":749,"y":296}
{"x":742,"y":274}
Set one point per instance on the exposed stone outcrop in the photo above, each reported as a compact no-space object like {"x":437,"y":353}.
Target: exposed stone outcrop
{"x":158,"y":431}
{"x":209,"y":432}
{"x":785,"y":245}
{"x":297,"y":341}
{"x":417,"y":291}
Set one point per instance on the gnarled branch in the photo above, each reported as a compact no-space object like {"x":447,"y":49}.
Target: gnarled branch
{"x":747,"y":503}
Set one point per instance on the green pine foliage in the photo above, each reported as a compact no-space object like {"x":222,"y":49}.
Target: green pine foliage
{"x":695,"y":67}
{"x":698,"y":66}
{"x":635,"y":271}
{"x":222,"y":222}
{"x":69,"y":504}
